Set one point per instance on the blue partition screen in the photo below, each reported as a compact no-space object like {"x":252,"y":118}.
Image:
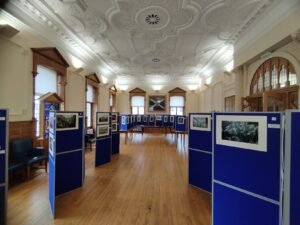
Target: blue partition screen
{"x":200,"y":150}
{"x":3,"y":164}
{"x":66,"y":153}
{"x":104,"y":137}
{"x":115,"y":134}
{"x":292,"y":169}
{"x":247,"y":160}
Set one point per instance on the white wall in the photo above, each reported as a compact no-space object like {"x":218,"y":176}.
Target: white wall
{"x":75,"y":92}
{"x":123,"y":104}
{"x":16,"y":80}
{"x":103,"y":99}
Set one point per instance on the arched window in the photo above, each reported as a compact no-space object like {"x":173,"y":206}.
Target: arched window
{"x":282,"y":75}
{"x":273,"y":87}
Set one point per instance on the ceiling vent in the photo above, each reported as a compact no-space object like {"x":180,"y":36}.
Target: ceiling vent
{"x":152,"y":19}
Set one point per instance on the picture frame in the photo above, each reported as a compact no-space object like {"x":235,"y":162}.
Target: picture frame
{"x":102,"y":118}
{"x":127,"y":119}
{"x":114,"y":117}
{"x":114,"y":127}
{"x":165,"y":119}
{"x":157,"y":103}
{"x":102,"y":130}
{"x":241,"y":131}
{"x":138,"y":118}
{"x":66,"y":121}
{"x":180,"y":120}
{"x":200,"y":122}
{"x":51,"y":144}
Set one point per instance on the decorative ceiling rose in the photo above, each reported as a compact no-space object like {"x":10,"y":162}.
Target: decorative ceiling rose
{"x":155,"y":60}
{"x":152,"y":19}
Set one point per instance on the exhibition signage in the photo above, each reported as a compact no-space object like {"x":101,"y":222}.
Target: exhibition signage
{"x":66,"y":153}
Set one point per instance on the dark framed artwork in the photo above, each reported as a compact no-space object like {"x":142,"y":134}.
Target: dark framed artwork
{"x":157,"y":103}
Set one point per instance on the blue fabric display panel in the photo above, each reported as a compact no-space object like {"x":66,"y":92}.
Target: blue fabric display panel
{"x":159,"y":120}
{"x":151,"y":119}
{"x":200,"y":150}
{"x":292,"y":169}
{"x":104,"y":136}
{"x":124,"y":121}
{"x":246,"y":169}
{"x":3,"y":164}
{"x":66,"y":153}
{"x":166,"y":120}
{"x":180,"y":123}
{"x":145,"y":119}
{"x":115,"y":134}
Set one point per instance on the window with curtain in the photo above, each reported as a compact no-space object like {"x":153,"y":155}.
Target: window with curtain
{"x":45,"y":82}
{"x":137,"y":105}
{"x":176,"y":105}
{"x":90,"y":100}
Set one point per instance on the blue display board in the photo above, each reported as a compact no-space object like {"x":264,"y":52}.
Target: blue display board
{"x":246,"y":169}
{"x":151,"y":120}
{"x":180,"y":123}
{"x":124,"y":122}
{"x":200,"y":150}
{"x":291,"y":206}
{"x":115,"y":134}
{"x":104,"y":137}
{"x":3,"y":164}
{"x":159,"y":120}
{"x":66,"y":153}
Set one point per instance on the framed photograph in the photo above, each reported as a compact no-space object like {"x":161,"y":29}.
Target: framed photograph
{"x":180,"y":120}
{"x":172,"y":119}
{"x":158,"y":117}
{"x":157,"y":103}
{"x":127,"y":119}
{"x":123,"y":121}
{"x":102,"y":118}
{"x":102,"y":130}
{"x":165,"y":119}
{"x":114,"y":127}
{"x":144,"y":118}
{"x":66,"y":121}
{"x":114,"y":117}
{"x":138,"y":118}
{"x":200,"y":122}
{"x":51,"y":144}
{"x":51,"y":122}
{"x":248,"y":132}
{"x":133,"y":118}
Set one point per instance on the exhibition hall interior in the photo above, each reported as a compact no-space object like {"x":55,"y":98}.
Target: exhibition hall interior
{"x":149,"y":112}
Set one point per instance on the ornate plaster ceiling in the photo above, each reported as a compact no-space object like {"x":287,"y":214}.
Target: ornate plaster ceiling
{"x":144,"y":42}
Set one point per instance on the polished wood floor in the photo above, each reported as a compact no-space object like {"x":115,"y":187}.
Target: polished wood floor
{"x":145,"y":185}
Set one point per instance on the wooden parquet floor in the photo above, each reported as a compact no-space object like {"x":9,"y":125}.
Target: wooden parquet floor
{"x":145,"y":185}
